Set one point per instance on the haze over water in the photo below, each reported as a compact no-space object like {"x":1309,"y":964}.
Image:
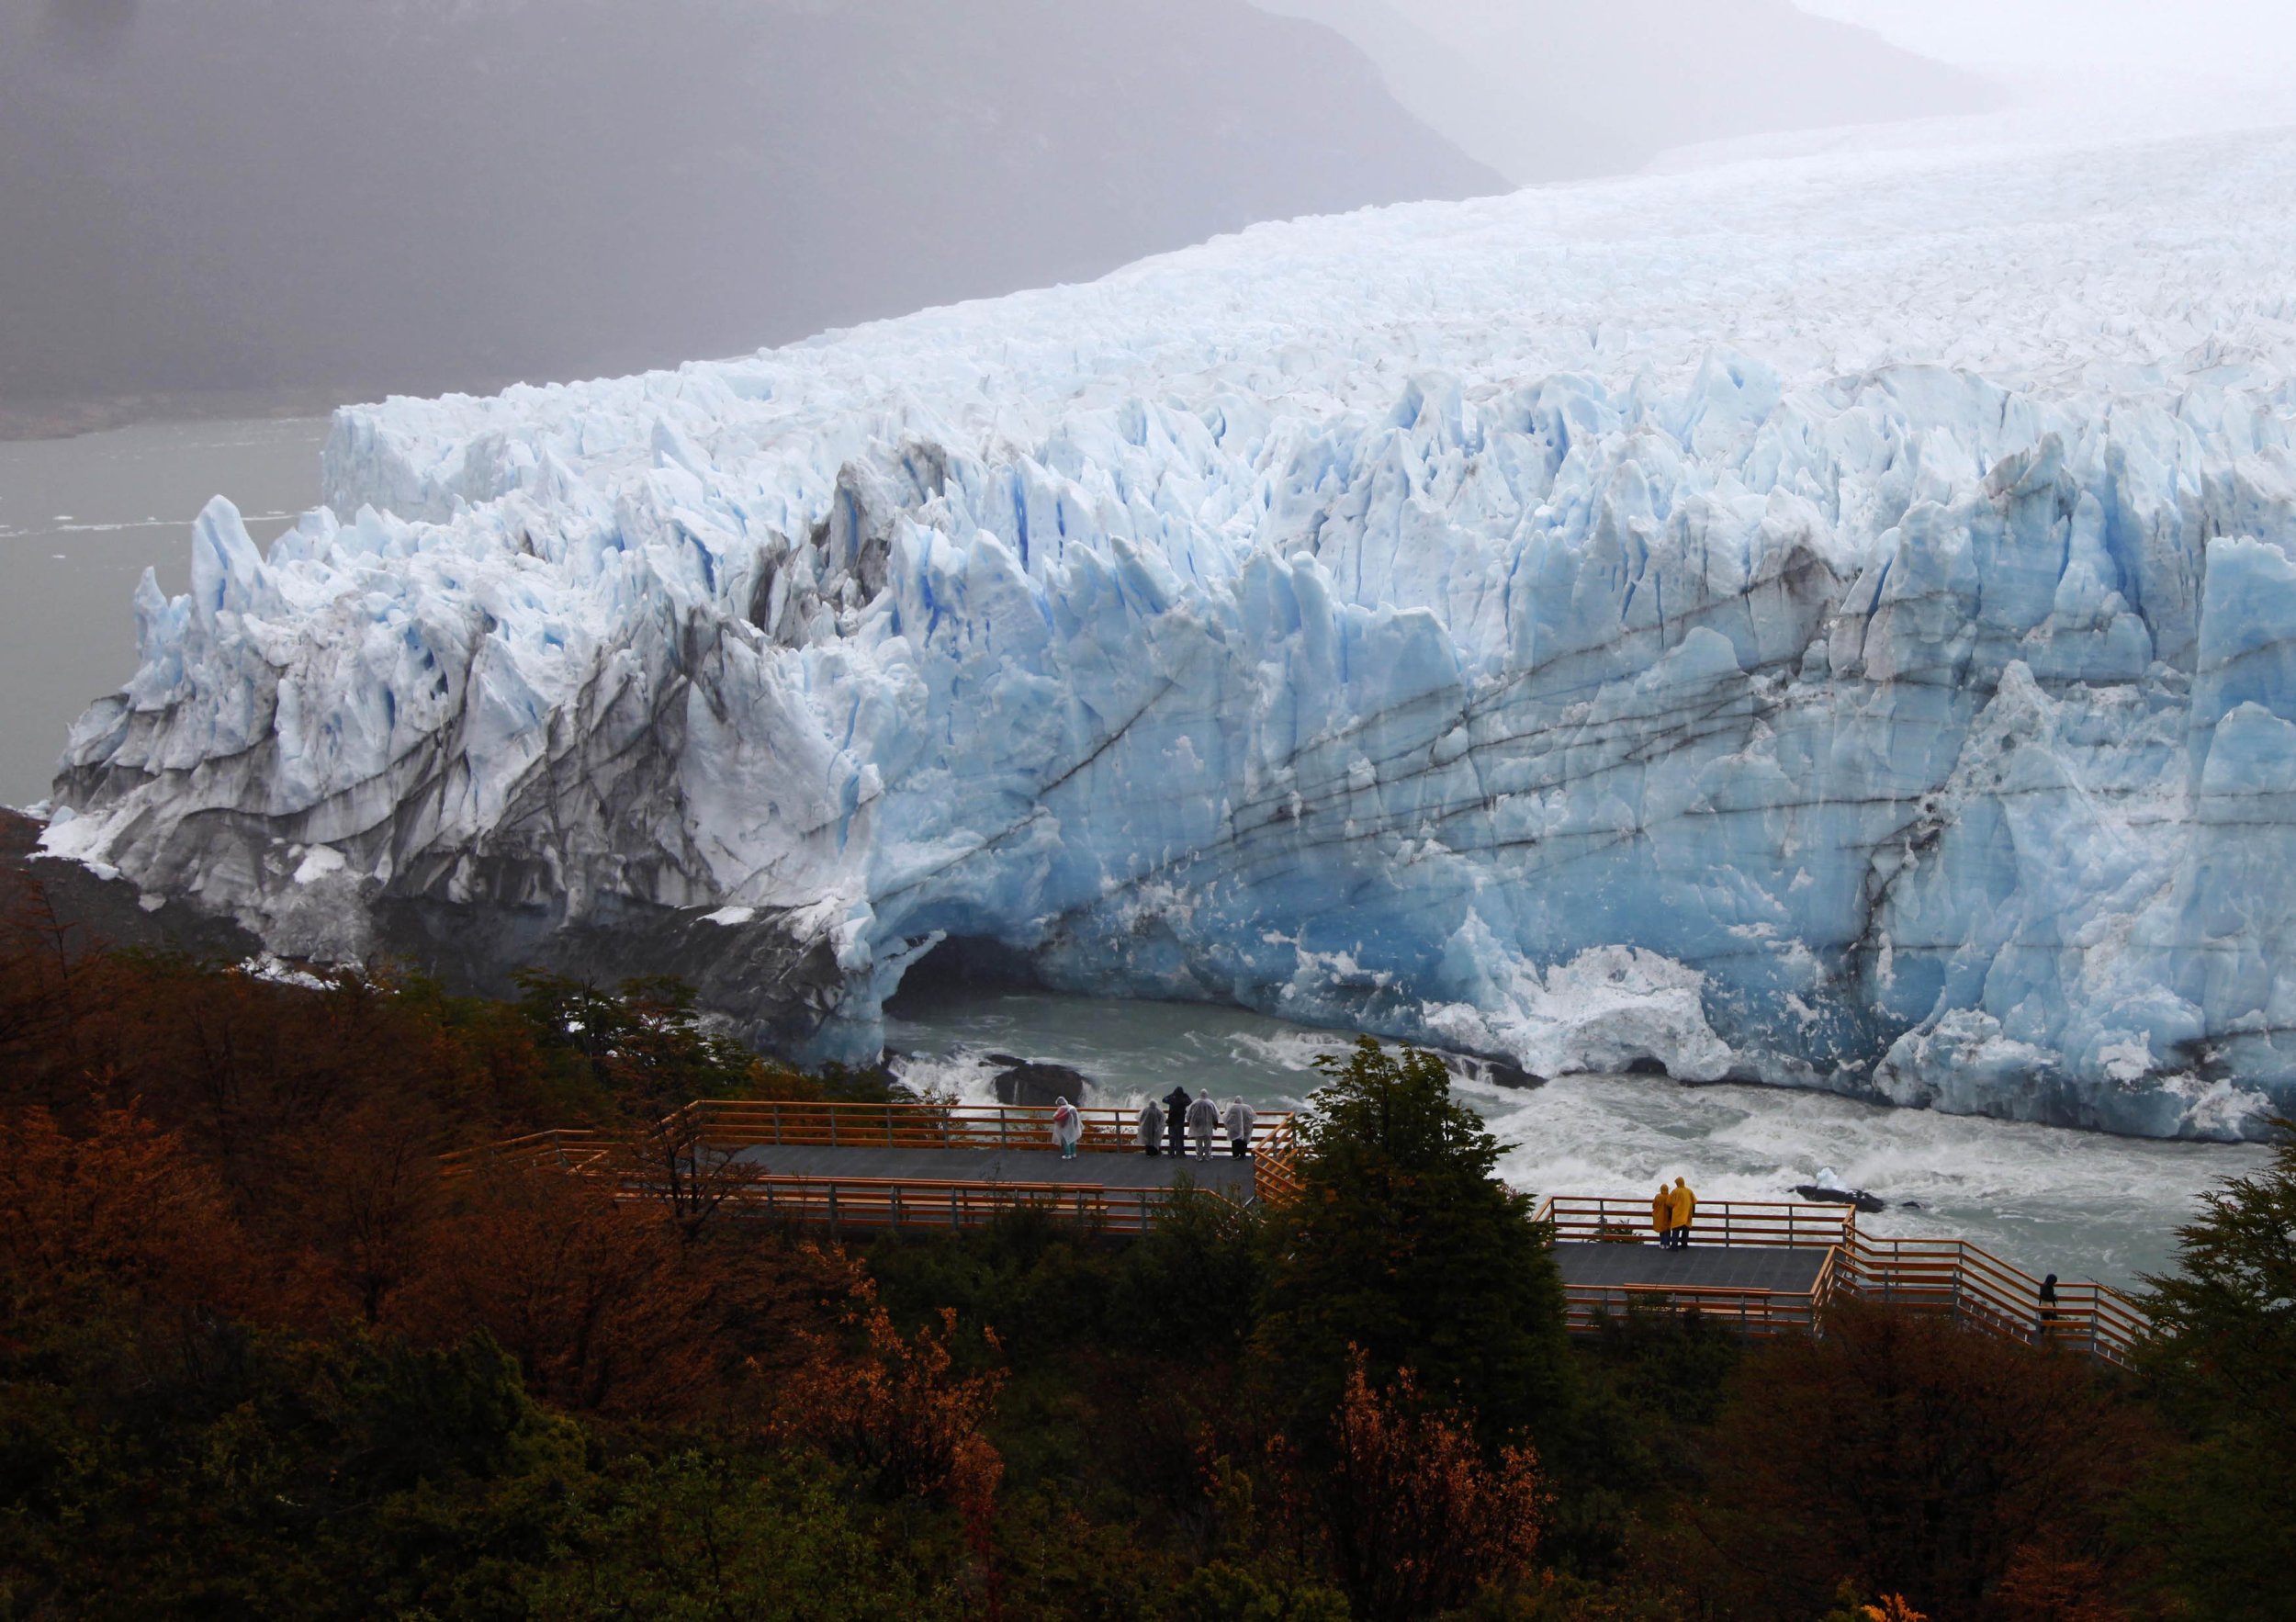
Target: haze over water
{"x":80,"y":521}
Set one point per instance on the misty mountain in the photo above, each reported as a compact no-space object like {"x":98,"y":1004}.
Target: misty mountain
{"x":1567,"y":89}
{"x":422,"y":195}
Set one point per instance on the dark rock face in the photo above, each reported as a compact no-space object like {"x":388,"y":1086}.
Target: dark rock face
{"x":1040,"y":1086}
{"x":1491,"y":1070}
{"x":110,"y":911}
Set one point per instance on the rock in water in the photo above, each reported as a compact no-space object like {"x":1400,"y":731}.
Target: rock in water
{"x":1418,"y":622}
{"x":1039,"y":1085}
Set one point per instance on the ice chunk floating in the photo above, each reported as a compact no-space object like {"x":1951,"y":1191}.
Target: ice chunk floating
{"x":1823,"y":622}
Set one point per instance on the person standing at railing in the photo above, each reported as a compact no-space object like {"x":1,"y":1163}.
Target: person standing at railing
{"x":1175,"y":1121}
{"x":1662,"y":1216}
{"x":1150,"y":1128}
{"x":1068,"y":1128}
{"x":2048,"y":1305}
{"x":1685,"y":1212}
{"x":1240,"y":1120}
{"x":1203,"y":1119}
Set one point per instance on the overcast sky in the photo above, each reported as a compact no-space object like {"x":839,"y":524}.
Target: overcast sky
{"x":2232,"y":38}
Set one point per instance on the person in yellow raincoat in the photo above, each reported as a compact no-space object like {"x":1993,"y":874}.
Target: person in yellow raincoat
{"x":1662,"y":1215}
{"x":1685,"y":1204}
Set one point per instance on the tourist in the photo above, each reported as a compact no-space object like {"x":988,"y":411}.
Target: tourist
{"x":1150,"y":1128}
{"x":1176,"y":1120}
{"x":1068,"y":1126}
{"x":1662,"y":1216}
{"x":1686,"y":1211}
{"x":2048,"y":1305}
{"x":1203,"y":1119}
{"x":1241,"y":1118}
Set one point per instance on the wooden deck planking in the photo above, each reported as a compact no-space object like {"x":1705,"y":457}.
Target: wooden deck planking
{"x":1222,"y":1173}
{"x":1736,"y":1266}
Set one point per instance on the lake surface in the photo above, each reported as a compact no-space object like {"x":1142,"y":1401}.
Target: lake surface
{"x":80,"y":521}
{"x":2074,"y":1203}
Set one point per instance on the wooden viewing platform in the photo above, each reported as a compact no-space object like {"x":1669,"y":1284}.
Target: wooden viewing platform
{"x":1764,"y":1268}
{"x":875,"y":1166}
{"x":1769,"y":1268}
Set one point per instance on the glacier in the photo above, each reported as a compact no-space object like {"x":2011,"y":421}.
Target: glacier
{"x":1820,"y":621}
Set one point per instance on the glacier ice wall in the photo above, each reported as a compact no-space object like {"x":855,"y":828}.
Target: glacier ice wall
{"x":1822,"y":621}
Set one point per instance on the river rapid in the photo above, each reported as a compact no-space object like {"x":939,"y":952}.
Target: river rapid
{"x":2079,"y":1204}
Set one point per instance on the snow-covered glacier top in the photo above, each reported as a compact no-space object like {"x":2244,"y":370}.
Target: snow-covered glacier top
{"x":1816,"y":620}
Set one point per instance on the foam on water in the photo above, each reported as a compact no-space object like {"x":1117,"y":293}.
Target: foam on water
{"x":2080,"y":1204}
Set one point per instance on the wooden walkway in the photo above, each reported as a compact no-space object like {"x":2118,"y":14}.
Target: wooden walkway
{"x":1772,"y":1267}
{"x":1765,"y":1269}
{"x":900,"y":1165}
{"x":1221,"y":1174}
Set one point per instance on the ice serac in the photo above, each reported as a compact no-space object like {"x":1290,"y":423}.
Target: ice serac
{"x":1825,"y":623}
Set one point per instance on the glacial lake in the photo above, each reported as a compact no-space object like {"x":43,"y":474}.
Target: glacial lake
{"x":2079,"y":1204}
{"x":81,"y":520}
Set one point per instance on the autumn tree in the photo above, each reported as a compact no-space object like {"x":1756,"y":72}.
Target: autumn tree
{"x":597,"y":1300}
{"x":1411,"y":1516}
{"x":900,"y":1408}
{"x":1915,"y":1456}
{"x":121,"y":1208}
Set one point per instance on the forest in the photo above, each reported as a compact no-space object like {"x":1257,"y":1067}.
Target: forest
{"x":259,"y":1357}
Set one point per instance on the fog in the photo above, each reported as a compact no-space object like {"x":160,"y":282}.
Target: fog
{"x":238,"y":198}
{"x":2241,"y":39}
{"x":238,"y":194}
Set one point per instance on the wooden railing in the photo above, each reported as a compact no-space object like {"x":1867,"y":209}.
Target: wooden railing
{"x":1275,"y":1162}
{"x":705,"y":1138}
{"x":1956,"y":1279}
{"x":1950,"y":1277}
{"x":744,"y":1123}
{"x":1772,"y":1223}
{"x":919,"y":1202}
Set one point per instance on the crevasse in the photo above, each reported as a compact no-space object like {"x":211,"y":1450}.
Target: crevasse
{"x":1819,"y":622}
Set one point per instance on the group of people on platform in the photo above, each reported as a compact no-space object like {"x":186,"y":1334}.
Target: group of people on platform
{"x":1671,"y":1212}
{"x":1179,"y":1119}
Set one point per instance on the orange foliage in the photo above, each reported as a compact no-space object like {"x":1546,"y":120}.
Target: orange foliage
{"x":599,"y":1302}
{"x":121,"y":1205}
{"x":899,"y":1409}
{"x":2046,"y":1586}
{"x":1414,"y":1519}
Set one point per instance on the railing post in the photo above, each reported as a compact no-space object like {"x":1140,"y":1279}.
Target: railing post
{"x":777,"y":1123}
{"x":833,"y":1126}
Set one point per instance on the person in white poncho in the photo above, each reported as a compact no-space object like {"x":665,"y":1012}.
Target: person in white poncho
{"x":1239,"y":1122}
{"x":1150,"y":1128}
{"x":1203,"y":1119}
{"x":1068,"y":1127}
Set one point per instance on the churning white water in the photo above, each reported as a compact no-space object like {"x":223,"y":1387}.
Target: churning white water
{"x":2078,"y":1204}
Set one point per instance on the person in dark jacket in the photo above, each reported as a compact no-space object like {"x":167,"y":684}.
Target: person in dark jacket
{"x":1176,"y":1103}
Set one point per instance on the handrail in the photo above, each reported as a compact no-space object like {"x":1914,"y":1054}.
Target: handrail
{"x":1756,"y":1223}
{"x":1951,"y":1277}
{"x":716,"y":1130}
{"x":746,"y":1122}
{"x":1276,"y":1164}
